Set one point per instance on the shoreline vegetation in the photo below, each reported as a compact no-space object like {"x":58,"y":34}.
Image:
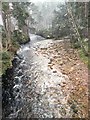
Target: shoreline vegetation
{"x":15,"y":31}
{"x":8,"y":55}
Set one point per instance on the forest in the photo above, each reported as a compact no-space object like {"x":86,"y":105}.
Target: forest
{"x":69,"y":20}
{"x":60,"y":33}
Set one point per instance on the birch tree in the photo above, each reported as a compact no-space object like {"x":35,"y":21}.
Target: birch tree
{"x":6,"y":15}
{"x":75,"y":28}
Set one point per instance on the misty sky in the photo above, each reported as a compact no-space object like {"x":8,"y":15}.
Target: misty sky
{"x":47,"y":1}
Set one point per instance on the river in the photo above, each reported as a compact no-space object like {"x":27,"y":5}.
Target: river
{"x":36,"y":90}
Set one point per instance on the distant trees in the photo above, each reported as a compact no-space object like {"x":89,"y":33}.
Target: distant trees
{"x":6,"y":15}
{"x":89,"y":27}
{"x":11,"y":13}
{"x":15,"y":30}
{"x":71,"y":19}
{"x":77,"y":13}
{"x":20,"y":12}
{"x":60,"y":27}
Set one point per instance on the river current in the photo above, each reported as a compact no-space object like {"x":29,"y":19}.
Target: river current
{"x":37,"y":89}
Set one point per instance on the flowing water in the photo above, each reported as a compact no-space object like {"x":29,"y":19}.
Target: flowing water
{"x":38,"y":90}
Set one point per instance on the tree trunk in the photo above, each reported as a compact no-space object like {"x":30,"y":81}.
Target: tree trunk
{"x":75,"y":28}
{"x":5,"y":28}
{"x":86,"y":16}
{"x":6,"y":24}
{"x":9,"y":29}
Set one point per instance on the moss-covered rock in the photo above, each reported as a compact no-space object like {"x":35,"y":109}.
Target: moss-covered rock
{"x":5,"y":61}
{"x":5,"y":56}
{"x":20,"y":37}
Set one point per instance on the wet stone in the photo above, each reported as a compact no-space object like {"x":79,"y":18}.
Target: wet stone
{"x":54,"y":71}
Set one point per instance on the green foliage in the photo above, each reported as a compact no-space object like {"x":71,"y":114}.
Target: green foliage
{"x":79,"y":11}
{"x":4,"y":39}
{"x":76,"y":45}
{"x":5,"y":6}
{"x":11,"y":43}
{"x":84,"y":58}
{"x":5,"y":65}
{"x":5,"y":56}
{"x":6,"y":61}
{"x":20,"y":13}
{"x":45,"y":33}
{"x":60,"y":26}
{"x":20,"y":37}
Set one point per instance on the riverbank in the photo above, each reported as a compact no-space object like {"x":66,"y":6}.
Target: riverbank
{"x":10,"y":49}
{"x":10,"y":60}
{"x":67,"y":61}
{"x":8,"y":83}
